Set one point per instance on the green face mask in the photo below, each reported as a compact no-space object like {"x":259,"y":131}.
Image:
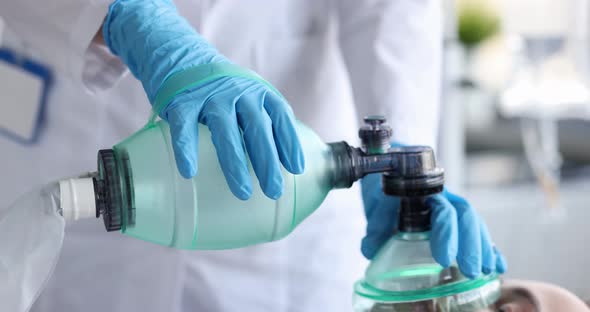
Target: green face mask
{"x":403,"y":276}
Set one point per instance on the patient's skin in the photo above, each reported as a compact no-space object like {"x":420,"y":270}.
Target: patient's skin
{"x":529,"y":296}
{"x":516,"y":296}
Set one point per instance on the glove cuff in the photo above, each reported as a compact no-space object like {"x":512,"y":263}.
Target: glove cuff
{"x":154,"y":41}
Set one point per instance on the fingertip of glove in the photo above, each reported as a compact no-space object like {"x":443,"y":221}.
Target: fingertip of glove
{"x":470,"y":269}
{"x":501,"y":265}
{"x":243,"y":193}
{"x":471,"y":274}
{"x":188,"y":172}
{"x":272,"y":184}
{"x":296,"y":163}
{"x":444,"y":247}
{"x":242,"y":196}
{"x":367,"y":250}
{"x":274,"y":194}
{"x":444,"y":261}
{"x":367,"y":253}
{"x":299,"y":165}
{"x":187,"y":165}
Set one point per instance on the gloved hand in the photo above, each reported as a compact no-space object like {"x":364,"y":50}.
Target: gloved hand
{"x":457,"y":234}
{"x":155,"y":42}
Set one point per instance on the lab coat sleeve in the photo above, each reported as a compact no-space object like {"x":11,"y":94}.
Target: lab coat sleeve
{"x":393,"y":51}
{"x":61,"y":33}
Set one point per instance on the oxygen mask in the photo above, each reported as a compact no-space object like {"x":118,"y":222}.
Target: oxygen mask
{"x":403,"y":276}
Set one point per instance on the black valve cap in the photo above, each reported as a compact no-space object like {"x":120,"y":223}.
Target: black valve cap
{"x":375,"y":134}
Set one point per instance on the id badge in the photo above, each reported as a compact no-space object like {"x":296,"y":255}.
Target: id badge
{"x":24,"y":85}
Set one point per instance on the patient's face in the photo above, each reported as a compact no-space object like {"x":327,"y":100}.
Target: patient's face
{"x":516,"y":296}
{"x":527,"y":296}
{"x":514,"y":300}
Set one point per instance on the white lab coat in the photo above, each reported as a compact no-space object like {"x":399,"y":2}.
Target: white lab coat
{"x":325,"y":56}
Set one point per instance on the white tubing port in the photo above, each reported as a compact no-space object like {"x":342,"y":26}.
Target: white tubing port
{"x":77,"y":199}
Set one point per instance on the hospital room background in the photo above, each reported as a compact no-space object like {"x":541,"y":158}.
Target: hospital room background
{"x":516,"y":133}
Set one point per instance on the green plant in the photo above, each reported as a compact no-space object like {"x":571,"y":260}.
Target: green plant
{"x":477,"y":22}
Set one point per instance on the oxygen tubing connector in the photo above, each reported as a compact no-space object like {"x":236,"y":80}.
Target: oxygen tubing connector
{"x":406,"y":169}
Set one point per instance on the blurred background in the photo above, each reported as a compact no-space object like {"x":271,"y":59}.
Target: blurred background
{"x":515,"y":135}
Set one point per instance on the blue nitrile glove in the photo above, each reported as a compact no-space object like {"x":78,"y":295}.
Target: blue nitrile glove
{"x":457,"y":234}
{"x":243,"y":114}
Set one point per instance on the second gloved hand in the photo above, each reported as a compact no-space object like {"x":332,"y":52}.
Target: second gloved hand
{"x":457,"y":234}
{"x":244,"y":115}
